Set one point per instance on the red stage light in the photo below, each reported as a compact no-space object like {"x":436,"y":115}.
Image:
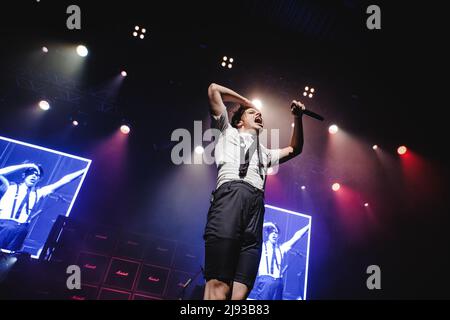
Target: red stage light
{"x":402,"y":150}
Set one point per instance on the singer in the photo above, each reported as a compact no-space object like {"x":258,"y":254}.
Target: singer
{"x":233,"y":231}
{"x":269,"y":282}
{"x":18,"y":201}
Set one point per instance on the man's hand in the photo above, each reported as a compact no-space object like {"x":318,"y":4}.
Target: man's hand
{"x":297,"y":108}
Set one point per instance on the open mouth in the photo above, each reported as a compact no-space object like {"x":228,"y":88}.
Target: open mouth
{"x":259,"y":121}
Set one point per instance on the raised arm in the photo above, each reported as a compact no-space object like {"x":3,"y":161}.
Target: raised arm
{"x":11,"y":169}
{"x":296,"y":145}
{"x":61,"y":182}
{"x":297,"y":236}
{"x":218,"y":94}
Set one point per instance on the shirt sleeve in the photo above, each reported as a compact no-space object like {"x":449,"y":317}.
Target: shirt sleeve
{"x":273,"y":157}
{"x":43,"y":192}
{"x":220,"y":122}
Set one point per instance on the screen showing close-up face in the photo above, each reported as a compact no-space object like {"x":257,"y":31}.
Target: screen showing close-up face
{"x":37,"y":186}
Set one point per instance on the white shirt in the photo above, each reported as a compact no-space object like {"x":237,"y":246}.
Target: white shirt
{"x":227,"y":154}
{"x":12,"y":193}
{"x":266,"y":259}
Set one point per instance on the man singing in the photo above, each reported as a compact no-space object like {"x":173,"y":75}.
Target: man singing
{"x":18,"y":201}
{"x":233,"y":232}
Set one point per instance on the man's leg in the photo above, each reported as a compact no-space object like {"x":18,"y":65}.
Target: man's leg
{"x":216,"y":290}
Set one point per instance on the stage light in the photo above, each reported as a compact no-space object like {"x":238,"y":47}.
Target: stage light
{"x":125,"y":129}
{"x":199,"y":150}
{"x":82,"y":51}
{"x":293,"y":125}
{"x":45,"y":49}
{"x":375,"y":147}
{"x":366,"y":205}
{"x":336,"y":187}
{"x":402,"y":150}
{"x":44,"y":105}
{"x":309,"y":92}
{"x":227,"y":62}
{"x":269,"y":171}
{"x":333,"y":129}
{"x":124,"y":73}
{"x":75,"y":123}
{"x":257,"y":103}
{"x":139,"y":31}
{"x":303,"y":187}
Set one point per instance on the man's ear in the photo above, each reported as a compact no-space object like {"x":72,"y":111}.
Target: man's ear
{"x":240,"y":124}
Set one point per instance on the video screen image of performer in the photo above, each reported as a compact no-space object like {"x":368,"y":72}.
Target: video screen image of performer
{"x":272,"y":266}
{"x":233,"y":231}
{"x":19,"y":200}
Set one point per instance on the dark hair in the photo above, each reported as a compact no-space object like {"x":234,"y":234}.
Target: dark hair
{"x":271,"y":228}
{"x":30,"y":171}
{"x":237,"y":115}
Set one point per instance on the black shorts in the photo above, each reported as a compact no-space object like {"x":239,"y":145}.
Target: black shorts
{"x":233,"y":233}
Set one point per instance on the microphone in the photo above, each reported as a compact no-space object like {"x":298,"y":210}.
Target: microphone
{"x":298,"y":111}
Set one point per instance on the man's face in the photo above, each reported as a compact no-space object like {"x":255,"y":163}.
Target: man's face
{"x":273,"y":237}
{"x":32,"y":179}
{"x":252,"y":119}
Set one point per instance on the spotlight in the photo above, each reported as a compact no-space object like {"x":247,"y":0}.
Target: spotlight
{"x":124,"y":73}
{"x":336,"y":187}
{"x":366,"y":205}
{"x":227,"y":62}
{"x":45,"y":49}
{"x":82,"y":51}
{"x":269,"y":171}
{"x":199,"y":150}
{"x":44,"y":105}
{"x":309,"y":92}
{"x":293,"y":125}
{"x":257,"y":103}
{"x":375,"y":147}
{"x":139,"y":31}
{"x":303,"y":187}
{"x":125,"y":129}
{"x":402,"y":150}
{"x":333,"y":129}
{"x":75,"y":123}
